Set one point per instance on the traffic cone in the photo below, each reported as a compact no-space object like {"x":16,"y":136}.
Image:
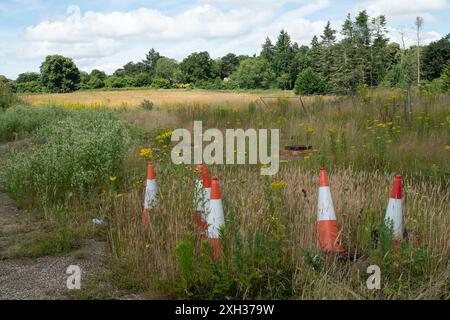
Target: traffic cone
{"x":394,"y":216}
{"x":215,"y":218}
{"x":151,"y":192}
{"x":327,"y":228}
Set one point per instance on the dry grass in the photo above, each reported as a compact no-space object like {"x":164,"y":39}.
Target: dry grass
{"x":132,"y":98}
{"x":152,"y":254}
{"x":161,"y":98}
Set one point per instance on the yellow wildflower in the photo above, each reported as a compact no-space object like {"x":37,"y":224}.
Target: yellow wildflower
{"x":311,"y":130}
{"x":278,"y":184}
{"x":146,"y":153}
{"x":112,"y":178}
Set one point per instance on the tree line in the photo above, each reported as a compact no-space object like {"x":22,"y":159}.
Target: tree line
{"x":363,"y":56}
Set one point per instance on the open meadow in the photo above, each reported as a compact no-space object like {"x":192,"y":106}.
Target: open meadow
{"x":84,"y":156}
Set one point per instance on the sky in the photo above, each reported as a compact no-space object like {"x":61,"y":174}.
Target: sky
{"x":101,"y":34}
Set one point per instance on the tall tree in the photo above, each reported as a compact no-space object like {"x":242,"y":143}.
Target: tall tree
{"x":378,"y":56}
{"x":283,"y":53}
{"x":197,"y":66}
{"x":151,"y":58}
{"x":418,"y":23}
{"x":59,"y":74}
{"x":227,"y":64}
{"x":326,"y":54}
{"x":435,"y":57}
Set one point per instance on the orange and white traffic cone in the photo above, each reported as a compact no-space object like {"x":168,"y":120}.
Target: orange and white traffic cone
{"x":151,"y":192}
{"x":394,"y":215}
{"x":327,"y":228}
{"x":215,"y":218}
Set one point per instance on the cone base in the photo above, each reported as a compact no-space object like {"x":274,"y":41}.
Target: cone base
{"x":328,"y":235}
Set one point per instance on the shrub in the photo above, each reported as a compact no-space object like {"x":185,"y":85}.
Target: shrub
{"x":6,"y":96}
{"x":161,"y":83}
{"x":115,"y":82}
{"x":146,"y":105}
{"x":76,"y":156}
{"x":309,"y":82}
{"x":21,"y":120}
{"x":253,"y":73}
{"x":28,"y":87}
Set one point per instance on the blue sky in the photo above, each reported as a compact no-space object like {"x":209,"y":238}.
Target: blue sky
{"x":107,"y":34}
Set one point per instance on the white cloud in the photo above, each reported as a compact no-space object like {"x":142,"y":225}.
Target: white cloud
{"x":404,"y":7}
{"x":107,"y":40}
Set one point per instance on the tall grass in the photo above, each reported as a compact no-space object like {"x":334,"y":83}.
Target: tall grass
{"x":269,"y":239}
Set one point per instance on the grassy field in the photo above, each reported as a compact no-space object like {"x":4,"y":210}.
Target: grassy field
{"x":84,"y":164}
{"x":133,"y":98}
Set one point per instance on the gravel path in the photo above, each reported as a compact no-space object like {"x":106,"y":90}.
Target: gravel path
{"x":43,"y":277}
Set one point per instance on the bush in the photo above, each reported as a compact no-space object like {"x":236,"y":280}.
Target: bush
{"x":143,"y":80}
{"x":21,"y":120}
{"x":6,"y":96}
{"x":309,"y":82}
{"x":73,"y":156}
{"x":115,"y":82}
{"x":146,"y":105}
{"x":28,"y":87}
{"x":161,"y":83}
{"x":254,"y":73}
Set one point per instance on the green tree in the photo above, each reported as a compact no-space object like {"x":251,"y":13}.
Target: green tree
{"x":96,"y":79}
{"x":228,"y":64}
{"x":197,"y":66}
{"x":27,"y":77}
{"x":397,"y":75}
{"x":254,"y":73}
{"x":309,"y":82}
{"x":116,"y":82}
{"x":284,"y":53}
{"x":445,"y":77}
{"x":378,"y":51}
{"x":59,"y":74}
{"x":326,"y":52}
{"x":6,"y":95}
{"x":143,"y":79}
{"x":166,"y":68}
{"x":435,"y":57}
{"x":268,"y":52}
{"x":151,"y":58}
{"x":130,"y":69}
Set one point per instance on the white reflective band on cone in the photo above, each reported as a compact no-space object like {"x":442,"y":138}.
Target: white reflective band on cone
{"x":215,"y":218}
{"x":394,"y":216}
{"x":206,"y":203}
{"x":150,"y":194}
{"x":325,"y":205}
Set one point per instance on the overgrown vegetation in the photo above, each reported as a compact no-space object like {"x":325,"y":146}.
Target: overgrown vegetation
{"x":92,"y":163}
